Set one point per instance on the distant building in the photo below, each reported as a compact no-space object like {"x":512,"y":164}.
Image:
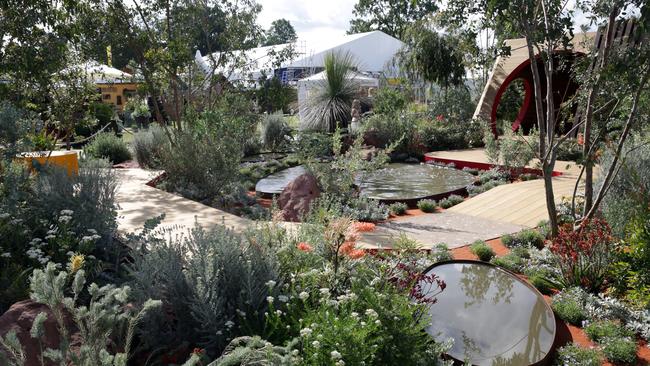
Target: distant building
{"x":116,"y":87}
{"x":373,"y":52}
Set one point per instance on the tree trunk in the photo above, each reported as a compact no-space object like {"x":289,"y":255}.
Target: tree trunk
{"x":589,"y":112}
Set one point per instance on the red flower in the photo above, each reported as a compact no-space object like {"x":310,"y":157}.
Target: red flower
{"x":346,"y":248}
{"x":363,"y":227}
{"x":440,"y":118}
{"x":357,"y":254}
{"x":198,"y":351}
{"x":304,"y":247}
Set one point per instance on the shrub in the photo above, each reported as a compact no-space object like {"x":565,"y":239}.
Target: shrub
{"x":451,"y":201}
{"x":441,"y":252}
{"x":472,"y":171}
{"x":276,"y":133}
{"x":510,"y":261}
{"x":569,"y":308}
{"x":620,"y":350}
{"x":15,"y":125}
{"x":572,"y":354}
{"x":427,"y":205}
{"x":389,"y":101}
{"x":213,"y":285}
{"x":527,"y":237}
{"x":100,"y":324}
{"x":384,"y":130}
{"x":203,"y":162}
{"x":493,"y":174}
{"x":398,"y":208}
{"x":365,"y":209}
{"x":584,"y":256}
{"x":599,"y":330}
{"x":475,"y":190}
{"x":149,"y":145}
{"x":441,"y":134}
{"x":482,"y":250}
{"x":541,"y":283}
{"x":108,"y":146}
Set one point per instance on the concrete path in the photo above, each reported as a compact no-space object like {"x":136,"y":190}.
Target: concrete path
{"x":139,"y":202}
{"x":447,"y":227}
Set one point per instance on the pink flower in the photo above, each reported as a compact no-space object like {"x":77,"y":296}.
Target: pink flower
{"x":304,"y":247}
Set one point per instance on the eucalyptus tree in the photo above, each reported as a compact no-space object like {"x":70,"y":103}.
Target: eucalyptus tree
{"x":547,"y":26}
{"x":392,"y":17}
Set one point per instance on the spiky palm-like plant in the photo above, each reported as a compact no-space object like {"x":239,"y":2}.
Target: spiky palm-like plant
{"x":331,"y":101}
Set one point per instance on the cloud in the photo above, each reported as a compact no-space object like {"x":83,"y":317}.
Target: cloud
{"x":313,"y":20}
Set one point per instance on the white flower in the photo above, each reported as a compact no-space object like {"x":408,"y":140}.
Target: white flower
{"x":229,"y":324}
{"x":335,"y":355}
{"x":377,"y":322}
{"x":65,"y":219}
{"x":355,"y":314}
{"x":271,"y":283}
{"x":92,"y":231}
{"x":371,"y":313}
{"x":278,"y":312}
{"x":340,"y":363}
{"x":6,"y":255}
{"x":316,"y":344}
{"x":270,"y":299}
{"x":305,"y":332}
{"x":240,"y":313}
{"x":66,"y":212}
{"x":4,"y":215}
{"x":324,"y":291}
{"x":303,"y":296}
{"x":50,"y":236}
{"x":283,"y":298}
{"x":87,"y":239}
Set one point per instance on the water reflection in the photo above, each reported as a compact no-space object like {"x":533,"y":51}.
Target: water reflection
{"x":493,"y":317}
{"x":410,"y":181}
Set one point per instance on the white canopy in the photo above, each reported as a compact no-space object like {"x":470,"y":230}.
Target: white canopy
{"x":103,"y":74}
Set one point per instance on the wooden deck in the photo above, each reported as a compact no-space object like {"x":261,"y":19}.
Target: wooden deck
{"x":522,"y":203}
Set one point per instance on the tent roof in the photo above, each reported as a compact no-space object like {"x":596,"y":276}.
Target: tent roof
{"x":373,"y":52}
{"x":358,"y":77}
{"x":104,"y":74}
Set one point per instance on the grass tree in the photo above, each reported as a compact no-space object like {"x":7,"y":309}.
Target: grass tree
{"x":331,"y":101}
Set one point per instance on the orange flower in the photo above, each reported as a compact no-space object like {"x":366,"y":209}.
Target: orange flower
{"x":364,"y":227}
{"x":581,"y":139}
{"x":304,"y":247}
{"x":356,"y":254}
{"x":346,"y":248}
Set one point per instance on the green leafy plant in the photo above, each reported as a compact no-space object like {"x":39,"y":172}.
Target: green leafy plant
{"x":276,"y":133}
{"x":569,"y":308}
{"x":599,"y":330}
{"x":451,"y":201}
{"x":108,"y":146}
{"x":572,"y":354}
{"x":427,"y":205}
{"x":482,"y":250}
{"x":541,"y":283}
{"x":389,"y":101}
{"x":96,"y":323}
{"x":398,"y":208}
{"x":527,"y":237}
{"x":620,"y":350}
{"x":148,"y":146}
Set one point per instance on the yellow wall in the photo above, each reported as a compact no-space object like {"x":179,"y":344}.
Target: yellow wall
{"x":111,"y":92}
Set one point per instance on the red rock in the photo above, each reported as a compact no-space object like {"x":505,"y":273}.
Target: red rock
{"x":297,"y":196}
{"x":20,"y":317}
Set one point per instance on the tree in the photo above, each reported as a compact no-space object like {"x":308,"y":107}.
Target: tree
{"x":431,"y":56}
{"x":281,"y":31}
{"x":547,"y":26}
{"x":392,"y":17}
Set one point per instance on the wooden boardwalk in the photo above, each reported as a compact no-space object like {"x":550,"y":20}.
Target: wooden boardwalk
{"x":522,"y":203}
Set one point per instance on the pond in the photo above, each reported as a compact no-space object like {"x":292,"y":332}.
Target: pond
{"x":407,"y":182}
{"x":493,"y":317}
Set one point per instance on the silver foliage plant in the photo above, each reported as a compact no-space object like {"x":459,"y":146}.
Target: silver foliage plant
{"x":331,"y":101}
{"x":96,"y":322}
{"x":214,"y":286}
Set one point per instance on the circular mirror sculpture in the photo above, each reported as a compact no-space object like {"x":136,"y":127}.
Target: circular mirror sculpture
{"x":276,"y":182}
{"x":493,"y":317}
{"x":407,"y":182}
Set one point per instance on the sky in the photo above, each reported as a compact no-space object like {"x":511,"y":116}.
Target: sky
{"x":314,"y":20}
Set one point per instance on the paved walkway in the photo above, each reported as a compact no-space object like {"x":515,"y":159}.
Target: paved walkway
{"x":139,"y":202}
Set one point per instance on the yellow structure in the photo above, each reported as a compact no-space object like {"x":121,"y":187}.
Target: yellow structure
{"x":117,"y":94}
{"x":65,"y":159}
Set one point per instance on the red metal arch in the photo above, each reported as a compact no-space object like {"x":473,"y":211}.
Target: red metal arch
{"x":514,"y":75}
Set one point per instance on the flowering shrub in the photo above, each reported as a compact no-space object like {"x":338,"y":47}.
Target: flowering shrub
{"x":584,"y":256}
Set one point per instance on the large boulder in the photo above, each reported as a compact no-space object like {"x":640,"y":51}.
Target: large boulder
{"x":297,"y":196}
{"x":20,"y":317}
